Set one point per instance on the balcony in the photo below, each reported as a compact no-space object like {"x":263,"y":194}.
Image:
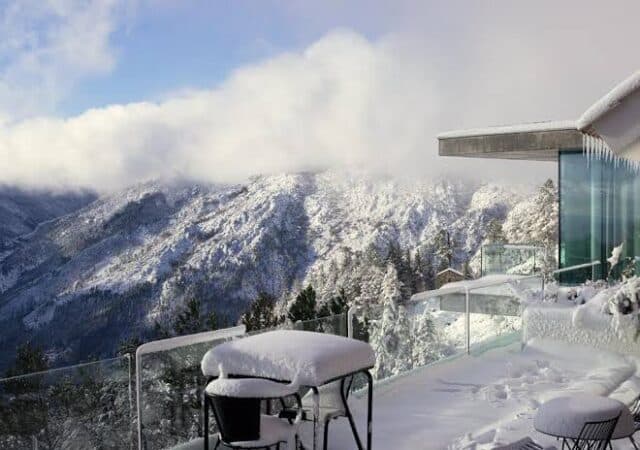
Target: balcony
{"x":459,"y":373}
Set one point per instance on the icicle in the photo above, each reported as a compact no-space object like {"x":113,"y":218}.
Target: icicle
{"x":596,"y":149}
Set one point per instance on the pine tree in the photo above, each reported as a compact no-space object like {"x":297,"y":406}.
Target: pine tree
{"x":188,"y":321}
{"x":495,"y":233}
{"x":444,"y":249}
{"x":390,"y":335}
{"x":304,"y":306}
{"x":427,"y":343}
{"x":337,"y":304}
{"x":261,"y":314}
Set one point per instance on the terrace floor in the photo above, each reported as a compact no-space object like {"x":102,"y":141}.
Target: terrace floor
{"x":482,"y":400}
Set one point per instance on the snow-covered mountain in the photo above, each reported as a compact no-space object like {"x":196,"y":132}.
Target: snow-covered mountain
{"x":22,"y":210}
{"x":82,"y":283}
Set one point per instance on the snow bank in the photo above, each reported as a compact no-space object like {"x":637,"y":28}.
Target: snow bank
{"x":597,"y":323}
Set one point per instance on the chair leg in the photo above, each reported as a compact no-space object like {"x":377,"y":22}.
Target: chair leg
{"x":205,"y":421}
{"x":325,"y":442}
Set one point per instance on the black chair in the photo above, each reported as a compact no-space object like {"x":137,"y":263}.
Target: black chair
{"x":332,"y":398}
{"x":236,"y":405}
{"x":596,"y":435}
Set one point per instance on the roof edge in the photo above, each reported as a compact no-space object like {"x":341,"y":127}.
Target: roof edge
{"x":510,"y":129}
{"x":609,"y":102}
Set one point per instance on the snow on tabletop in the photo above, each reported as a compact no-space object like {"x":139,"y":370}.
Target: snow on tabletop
{"x":250,"y":388}
{"x":314,"y":358}
{"x":609,"y":101}
{"x":565,"y":416}
{"x":510,"y":129}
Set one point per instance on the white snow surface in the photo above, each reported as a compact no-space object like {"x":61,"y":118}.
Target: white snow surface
{"x":250,"y":388}
{"x":480,"y":402}
{"x":310,"y":358}
{"x":610,"y":101}
{"x":510,"y":129}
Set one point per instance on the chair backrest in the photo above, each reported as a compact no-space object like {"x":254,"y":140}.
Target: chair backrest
{"x":635,"y":409}
{"x":597,"y":434}
{"x":238,"y":419}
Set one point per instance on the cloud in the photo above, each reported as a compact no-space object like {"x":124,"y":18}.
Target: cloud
{"x":344,"y":101}
{"x":47,"y":46}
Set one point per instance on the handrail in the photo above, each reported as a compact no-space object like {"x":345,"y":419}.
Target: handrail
{"x":576,"y":267}
{"x":470,"y":284}
{"x":126,"y":356}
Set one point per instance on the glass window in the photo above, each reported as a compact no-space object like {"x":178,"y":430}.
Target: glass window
{"x":599,"y":210}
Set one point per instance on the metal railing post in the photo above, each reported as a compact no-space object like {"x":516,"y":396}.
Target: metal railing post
{"x":138,"y":398}
{"x":467,"y":318}
{"x":350,"y":312}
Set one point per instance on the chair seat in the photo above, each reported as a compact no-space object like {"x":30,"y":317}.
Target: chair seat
{"x":272,"y":431}
{"x":331,"y":404}
{"x":250,"y":388}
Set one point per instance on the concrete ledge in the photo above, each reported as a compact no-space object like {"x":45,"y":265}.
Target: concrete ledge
{"x":530,"y":145}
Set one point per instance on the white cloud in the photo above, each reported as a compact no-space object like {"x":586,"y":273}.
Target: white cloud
{"x":343,"y":101}
{"x":49,"y":45}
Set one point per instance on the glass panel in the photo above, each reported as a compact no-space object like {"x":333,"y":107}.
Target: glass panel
{"x":336,"y":324}
{"x":579,"y":198}
{"x":171,"y":383}
{"x":408,"y":336}
{"x":495,"y":318}
{"x":514,"y":259}
{"x":87,"y":406}
{"x":599,"y":210}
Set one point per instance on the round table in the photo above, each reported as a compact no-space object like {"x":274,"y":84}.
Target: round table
{"x":564,"y":417}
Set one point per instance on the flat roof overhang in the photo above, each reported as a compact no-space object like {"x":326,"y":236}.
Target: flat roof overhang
{"x":510,"y":143}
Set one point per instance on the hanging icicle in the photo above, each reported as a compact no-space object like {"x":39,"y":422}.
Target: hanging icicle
{"x":595,"y":148}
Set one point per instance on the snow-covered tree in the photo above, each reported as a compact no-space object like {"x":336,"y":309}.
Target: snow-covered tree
{"x":390,"y":335}
{"x":304,"y":306}
{"x":495,"y":233}
{"x":428,"y":344}
{"x":444,"y":249}
{"x":261,"y":314}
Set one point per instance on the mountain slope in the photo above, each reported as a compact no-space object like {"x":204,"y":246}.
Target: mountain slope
{"x":21,"y":211}
{"x":81,"y":284}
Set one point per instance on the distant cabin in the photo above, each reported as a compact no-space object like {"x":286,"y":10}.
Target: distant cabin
{"x":448,"y":275}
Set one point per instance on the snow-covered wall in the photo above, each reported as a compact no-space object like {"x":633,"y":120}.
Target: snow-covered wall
{"x":579,"y":325}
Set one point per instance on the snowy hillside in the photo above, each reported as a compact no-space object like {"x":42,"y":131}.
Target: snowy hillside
{"x":83,"y":283}
{"x":21,"y":211}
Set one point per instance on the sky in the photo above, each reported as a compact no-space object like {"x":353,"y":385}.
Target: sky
{"x":102,"y":94}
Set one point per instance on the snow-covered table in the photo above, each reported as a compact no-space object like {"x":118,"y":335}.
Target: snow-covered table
{"x":309,"y":359}
{"x":564,"y":417}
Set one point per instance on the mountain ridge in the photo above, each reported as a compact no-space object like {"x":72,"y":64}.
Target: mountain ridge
{"x":82,"y":283}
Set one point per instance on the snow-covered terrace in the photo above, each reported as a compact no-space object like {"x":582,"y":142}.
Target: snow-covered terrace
{"x":486,"y":399}
{"x":483,"y":391}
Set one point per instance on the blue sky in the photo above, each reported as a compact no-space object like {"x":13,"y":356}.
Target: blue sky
{"x":169,"y":46}
{"x":104,"y":93}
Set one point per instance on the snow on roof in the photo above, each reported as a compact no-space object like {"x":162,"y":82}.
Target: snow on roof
{"x":449,"y":269}
{"x":510,"y":129}
{"x":609,"y":101}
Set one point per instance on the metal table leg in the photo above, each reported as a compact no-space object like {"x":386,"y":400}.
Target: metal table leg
{"x":316,"y":413}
